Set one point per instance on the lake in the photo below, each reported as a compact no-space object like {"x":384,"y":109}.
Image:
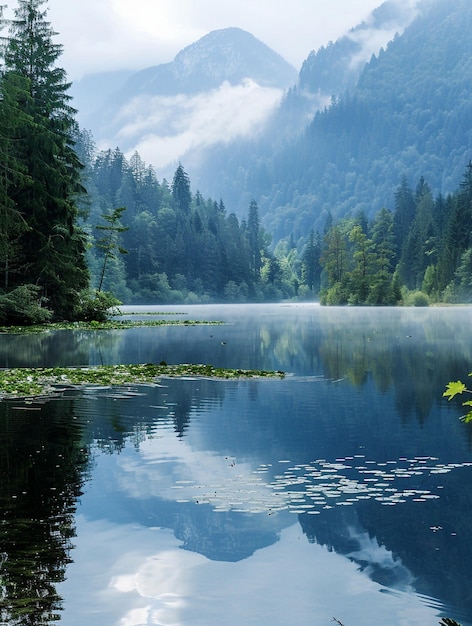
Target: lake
{"x":339,"y":494}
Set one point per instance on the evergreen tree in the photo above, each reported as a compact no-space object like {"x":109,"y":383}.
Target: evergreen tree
{"x":335,"y":254}
{"x":311,"y":267}
{"x":254,"y":239}
{"x":108,"y":244}
{"x":404,"y":215}
{"x":382,"y":287}
{"x":12,"y":174}
{"x":457,"y":239}
{"x":420,"y":246}
{"x":53,"y":246}
{"x":181,"y":190}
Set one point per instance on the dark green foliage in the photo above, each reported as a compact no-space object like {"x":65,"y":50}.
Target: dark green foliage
{"x":42,"y":244}
{"x":425,"y":246}
{"x":181,"y":190}
{"x":23,"y":306}
{"x":108,"y":244}
{"x":95,"y":306}
{"x":193,"y":250}
{"x":253,"y":237}
{"x":179,"y":247}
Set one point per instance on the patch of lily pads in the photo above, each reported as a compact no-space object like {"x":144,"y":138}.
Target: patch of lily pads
{"x":110,"y":324}
{"x":33,"y":382}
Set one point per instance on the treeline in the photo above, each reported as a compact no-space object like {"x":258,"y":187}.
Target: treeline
{"x":168,"y":244}
{"x":419,"y":253}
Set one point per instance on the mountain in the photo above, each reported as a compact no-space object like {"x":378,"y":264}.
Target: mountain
{"x":409,"y":114}
{"x":230,"y":54}
{"x":214,"y":90}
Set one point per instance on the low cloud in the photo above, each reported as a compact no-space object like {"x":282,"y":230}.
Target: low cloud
{"x":163,"y":129}
{"x":372,"y":38}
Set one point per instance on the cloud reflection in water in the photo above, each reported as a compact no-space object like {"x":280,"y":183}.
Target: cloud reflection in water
{"x":289,"y":582}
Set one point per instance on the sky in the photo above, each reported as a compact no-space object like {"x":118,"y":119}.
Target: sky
{"x":100,"y":35}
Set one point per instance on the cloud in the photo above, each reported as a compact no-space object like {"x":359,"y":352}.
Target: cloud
{"x":163,"y":129}
{"x":146,"y":578}
{"x":372,"y":38}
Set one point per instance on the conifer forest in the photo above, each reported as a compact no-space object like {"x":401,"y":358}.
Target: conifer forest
{"x":83,"y":228}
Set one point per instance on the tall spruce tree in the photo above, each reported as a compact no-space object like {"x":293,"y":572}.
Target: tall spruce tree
{"x":12,"y":222}
{"x":181,"y":190}
{"x":254,"y":239}
{"x":311,"y":267}
{"x":52,"y":246}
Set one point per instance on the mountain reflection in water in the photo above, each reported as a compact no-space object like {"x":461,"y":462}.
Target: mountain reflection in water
{"x":341,"y":491}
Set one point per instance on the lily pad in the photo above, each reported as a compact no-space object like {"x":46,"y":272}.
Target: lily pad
{"x":31,"y":382}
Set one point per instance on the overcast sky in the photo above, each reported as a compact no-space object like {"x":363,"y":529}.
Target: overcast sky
{"x":100,"y":35}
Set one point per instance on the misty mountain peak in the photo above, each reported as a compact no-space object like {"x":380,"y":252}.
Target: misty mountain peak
{"x":219,"y":88}
{"x":231,"y":54}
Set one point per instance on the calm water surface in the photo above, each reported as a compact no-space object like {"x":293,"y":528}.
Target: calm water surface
{"x":343,"y":491}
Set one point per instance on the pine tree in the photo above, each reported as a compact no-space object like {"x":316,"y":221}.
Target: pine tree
{"x":12,"y":222}
{"x":457,"y":238}
{"x":181,"y":190}
{"x":53,"y":246}
{"x":311,"y":267}
{"x":364,"y":265}
{"x":254,"y":239}
{"x":420,"y":246}
{"x":108,"y":244}
{"x":405,"y":208}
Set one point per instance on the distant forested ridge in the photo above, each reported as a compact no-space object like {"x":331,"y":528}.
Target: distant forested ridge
{"x":408,"y":112}
{"x":177,"y":246}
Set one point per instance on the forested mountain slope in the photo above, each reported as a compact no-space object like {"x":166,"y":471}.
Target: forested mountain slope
{"x":409,"y":114}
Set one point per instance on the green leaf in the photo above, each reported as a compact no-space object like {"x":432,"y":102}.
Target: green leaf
{"x":467,"y":418}
{"x":454,"y":388}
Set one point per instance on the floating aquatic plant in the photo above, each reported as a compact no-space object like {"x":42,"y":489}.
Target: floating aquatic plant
{"x":30,"y":382}
{"x":105,"y":325}
{"x":320,"y":485}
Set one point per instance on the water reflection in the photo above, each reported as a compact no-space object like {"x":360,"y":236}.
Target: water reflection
{"x":242,"y":473}
{"x":149,"y":579}
{"x":42,"y":461}
{"x":339,"y":491}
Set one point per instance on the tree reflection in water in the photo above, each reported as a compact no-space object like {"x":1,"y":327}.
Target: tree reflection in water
{"x":43,"y":464}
